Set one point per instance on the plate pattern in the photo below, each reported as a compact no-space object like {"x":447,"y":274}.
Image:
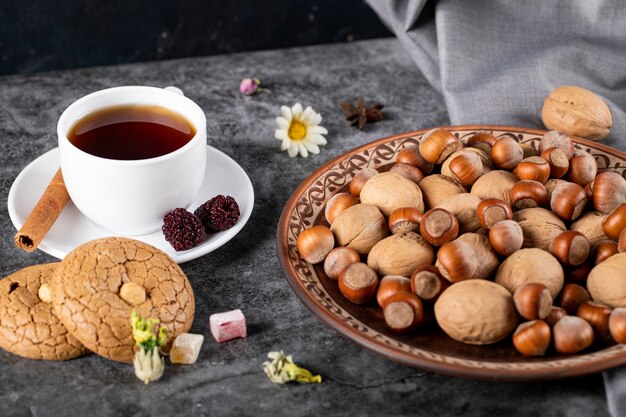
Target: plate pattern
{"x":306,"y":209}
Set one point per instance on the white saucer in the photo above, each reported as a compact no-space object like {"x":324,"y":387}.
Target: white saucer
{"x":223,"y":176}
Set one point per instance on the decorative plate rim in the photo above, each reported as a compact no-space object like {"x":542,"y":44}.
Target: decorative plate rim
{"x":545,"y":369}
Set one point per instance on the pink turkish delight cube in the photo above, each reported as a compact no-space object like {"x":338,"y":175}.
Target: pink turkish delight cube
{"x":228,"y":325}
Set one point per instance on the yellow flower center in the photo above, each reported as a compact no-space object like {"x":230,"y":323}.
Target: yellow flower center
{"x":297,"y":130}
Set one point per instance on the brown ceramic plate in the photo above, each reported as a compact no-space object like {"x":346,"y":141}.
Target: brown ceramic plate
{"x":432,"y":349}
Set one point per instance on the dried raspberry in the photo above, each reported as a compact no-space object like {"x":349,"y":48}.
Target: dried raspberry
{"x":219,"y":213}
{"x":183,"y":229}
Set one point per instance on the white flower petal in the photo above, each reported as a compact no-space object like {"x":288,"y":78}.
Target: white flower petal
{"x":285,"y":144}
{"x":286,"y":113}
{"x":280,"y":134}
{"x":307,"y":115}
{"x":316,"y":119}
{"x":296,"y":110}
{"x":318,"y":140}
{"x":303,"y":152}
{"x":318,"y":129}
{"x":282,"y":123}
{"x":293,"y":150}
{"x":311,"y":147}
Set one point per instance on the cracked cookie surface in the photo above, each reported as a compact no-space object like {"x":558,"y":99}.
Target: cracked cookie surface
{"x":28,"y":325}
{"x":88,"y":298}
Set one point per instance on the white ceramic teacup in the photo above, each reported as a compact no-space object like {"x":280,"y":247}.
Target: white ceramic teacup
{"x":131,"y":197}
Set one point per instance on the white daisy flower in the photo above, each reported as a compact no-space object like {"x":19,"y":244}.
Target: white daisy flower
{"x":300,"y":131}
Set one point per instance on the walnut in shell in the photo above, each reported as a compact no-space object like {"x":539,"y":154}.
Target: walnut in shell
{"x":540,"y":227}
{"x":400,"y":254}
{"x":360,"y":227}
{"x":531,"y":265}
{"x":590,"y":225}
{"x":578,"y":112}
{"x":495,"y":184}
{"x":389,"y":191}
{"x":437,"y":188}
{"x":476,"y":312}
{"x":606,"y":281}
{"x":463,"y":206}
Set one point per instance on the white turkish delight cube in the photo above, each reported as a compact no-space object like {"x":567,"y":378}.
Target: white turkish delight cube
{"x":228,"y":325}
{"x":186,"y":348}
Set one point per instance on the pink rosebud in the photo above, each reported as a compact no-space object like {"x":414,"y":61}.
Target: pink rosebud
{"x":249,"y":86}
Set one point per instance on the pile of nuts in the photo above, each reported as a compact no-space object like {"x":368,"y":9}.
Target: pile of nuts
{"x":481,"y":237}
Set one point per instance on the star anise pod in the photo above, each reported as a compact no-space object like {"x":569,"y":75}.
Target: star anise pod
{"x":361,"y":114}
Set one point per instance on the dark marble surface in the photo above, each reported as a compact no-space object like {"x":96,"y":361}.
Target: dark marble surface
{"x":245,"y":273}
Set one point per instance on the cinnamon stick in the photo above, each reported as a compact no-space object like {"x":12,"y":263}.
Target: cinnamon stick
{"x":43,"y":215}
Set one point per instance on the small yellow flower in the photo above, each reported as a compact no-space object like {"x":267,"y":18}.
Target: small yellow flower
{"x":299,"y":131}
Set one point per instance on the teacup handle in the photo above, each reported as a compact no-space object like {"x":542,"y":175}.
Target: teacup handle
{"x":175,"y":90}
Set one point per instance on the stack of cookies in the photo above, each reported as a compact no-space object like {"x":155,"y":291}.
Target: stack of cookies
{"x":63,"y":310}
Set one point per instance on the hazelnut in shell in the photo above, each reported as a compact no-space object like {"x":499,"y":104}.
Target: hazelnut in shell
{"x":457,"y":261}
{"x":494,"y":184}
{"x":556,"y":139}
{"x":476,"y":311}
{"x":358,"y":283}
{"x":403,"y":312}
{"x":338,"y":259}
{"x":551,"y":185}
{"x":400,"y":254}
{"x":487,"y":259}
{"x":571,"y":248}
{"x":466,"y":168}
{"x":532,"y":301}
{"x":360,"y":227}
{"x":412,"y":156}
{"x":556,"y":313}
{"x":609,"y":191}
{"x":438,"y":144}
{"x":540,"y":227}
{"x":506,"y":237}
{"x":487,"y":165}
{"x":578,"y":274}
{"x":506,"y":153}
{"x":615,"y":222}
{"x":558,"y":161}
{"x":463,"y":206}
{"x":359,"y":180}
{"x":390,"y":285}
{"x":532,"y":338}
{"x":577,"y":111}
{"x":583,"y":168}
{"x":531,"y":265}
{"x":338,"y":203}
{"x":617,"y":324}
{"x":437,"y":188}
{"x":571,"y":297}
{"x":590,"y":225}
{"x":568,"y":200}
{"x":409,"y":172}
{"x":404,"y":219}
{"x":533,"y":168}
{"x":597,"y":315}
{"x":606,"y":282}
{"x":439,"y":226}
{"x":315,"y":243}
{"x":572,"y":334}
{"x":428,"y":283}
{"x":605,"y":250}
{"x":389,"y":191}
{"x":492,"y":211}
{"x":483,"y":141}
{"x":528,"y":194}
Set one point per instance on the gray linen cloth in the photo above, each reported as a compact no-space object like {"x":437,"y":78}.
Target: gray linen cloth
{"x":496,"y":61}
